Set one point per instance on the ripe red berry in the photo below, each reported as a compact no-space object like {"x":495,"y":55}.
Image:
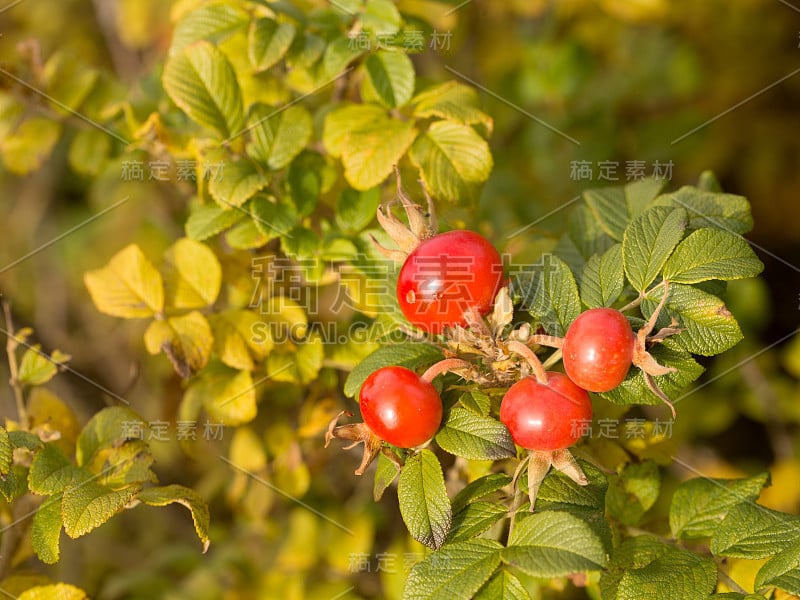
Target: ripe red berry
{"x":545,"y":417}
{"x":445,"y":277}
{"x":598,"y":349}
{"x":400,"y":407}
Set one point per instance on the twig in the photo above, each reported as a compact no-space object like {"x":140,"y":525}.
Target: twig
{"x":13,"y":368}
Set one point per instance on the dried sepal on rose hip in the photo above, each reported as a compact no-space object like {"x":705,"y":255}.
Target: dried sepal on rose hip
{"x":398,"y":406}
{"x":447,"y":279}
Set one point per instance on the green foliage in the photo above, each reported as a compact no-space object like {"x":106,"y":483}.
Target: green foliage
{"x":423,"y":499}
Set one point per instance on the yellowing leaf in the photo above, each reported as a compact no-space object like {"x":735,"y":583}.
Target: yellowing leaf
{"x":193,"y":274}
{"x":30,"y":145}
{"x":49,"y":413}
{"x":247,"y":450}
{"x":240,"y":336}
{"x":129,"y":286}
{"x":369,"y":142}
{"x":36,"y":368}
{"x":89,"y":504}
{"x":59,"y":591}
{"x":452,"y":159}
{"x":186,"y":340}
{"x":228,"y":395}
{"x":168,"y":494}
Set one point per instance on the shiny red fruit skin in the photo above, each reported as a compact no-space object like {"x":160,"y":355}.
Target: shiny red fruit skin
{"x":400,"y":407}
{"x":545,"y":417}
{"x":447,"y":275}
{"x":598,"y":349}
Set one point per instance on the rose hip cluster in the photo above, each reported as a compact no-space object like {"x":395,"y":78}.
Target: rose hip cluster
{"x":450,"y":284}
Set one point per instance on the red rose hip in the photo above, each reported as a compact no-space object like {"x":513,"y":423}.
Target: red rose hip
{"x":445,"y":277}
{"x":400,"y":407}
{"x":598,"y":349}
{"x":547,"y":416}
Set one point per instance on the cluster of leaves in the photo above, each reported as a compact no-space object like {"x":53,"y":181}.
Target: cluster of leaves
{"x":70,"y":478}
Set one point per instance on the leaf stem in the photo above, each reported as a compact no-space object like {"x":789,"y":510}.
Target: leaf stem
{"x":13,"y":368}
{"x":552,"y":359}
{"x":444,"y":366}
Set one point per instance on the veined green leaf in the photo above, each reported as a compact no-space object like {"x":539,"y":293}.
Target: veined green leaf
{"x":202,"y":82}
{"x":473,"y":519}
{"x":712,"y":254}
{"x":462,"y":566}
{"x":475,"y":437}
{"x":647,"y":243}
{"x":410,"y":355}
{"x":453,"y":160}
{"x":88,"y":504}
{"x":278,"y":135}
{"x":603,"y":278}
{"x":424,"y":504}
{"x":214,"y":22}
{"x":391,"y":77}
{"x":551,"y":296}
{"x":169,"y":494}
{"x":46,"y":530}
{"x":752,"y":531}
{"x":269,"y":42}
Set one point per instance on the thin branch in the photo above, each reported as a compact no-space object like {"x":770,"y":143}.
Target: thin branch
{"x":13,"y":367}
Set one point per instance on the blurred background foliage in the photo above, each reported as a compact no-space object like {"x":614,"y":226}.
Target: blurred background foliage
{"x":626,"y":80}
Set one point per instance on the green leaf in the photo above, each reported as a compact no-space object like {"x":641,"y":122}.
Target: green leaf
{"x":228,"y":395}
{"x":386,"y":472}
{"x":633,"y":492}
{"x":338,"y":55}
{"x":273,"y":217}
{"x":648,"y":241}
{"x":193,"y":275}
{"x":634,"y":389}
{"x":643,"y":567}
{"x":551,"y":296}
{"x":553,"y":544}
{"x":480,"y":488}
{"x":24,"y":439}
{"x":89,"y":151}
{"x":474,"y":519}
{"x":214,"y":22}
{"x":712,"y":254}
{"x":246,"y":235}
{"x":58,"y":591}
{"x":36,"y":368}
{"x":477,"y":402}
{"x":462,"y":566}
{"x":186,"y":340}
{"x":381,"y":17}
{"x":451,"y":100}
{"x":208,"y":220}
{"x":603,"y":278}
{"x":109,"y":428}
{"x":475,"y":437}
{"x":201,"y":81}
{"x":709,"y":326}
{"x":559,"y":492}
{"x":409,"y":354}
{"x":30,"y":145}
{"x":14,"y":484}
{"x":424,"y":504}
{"x":306,"y":179}
{"x":239,"y":181}
{"x":129,"y":286}
{"x":453,"y":160}
{"x":169,"y":494}
{"x":699,"y":505}
{"x":711,"y":209}
{"x":355,"y":210}
{"x":368,"y":141}
{"x":51,"y":471}
{"x":46,"y":530}
{"x":391,"y":76}
{"x":610,"y":210}
{"x":752,"y":531}
{"x":6,"y":452}
{"x":503,"y":585}
{"x":782,"y":571}
{"x":278,"y":135}
{"x":87,"y":505}
{"x":269,"y":42}
{"x":240,"y":338}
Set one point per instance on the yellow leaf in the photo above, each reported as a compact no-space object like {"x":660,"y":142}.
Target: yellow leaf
{"x":185,"y":340}
{"x":193,"y":274}
{"x":240,"y":336}
{"x":30,"y":145}
{"x":228,"y":395}
{"x":59,"y":591}
{"x":247,"y":451}
{"x":129,"y":286}
{"x":49,"y":413}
